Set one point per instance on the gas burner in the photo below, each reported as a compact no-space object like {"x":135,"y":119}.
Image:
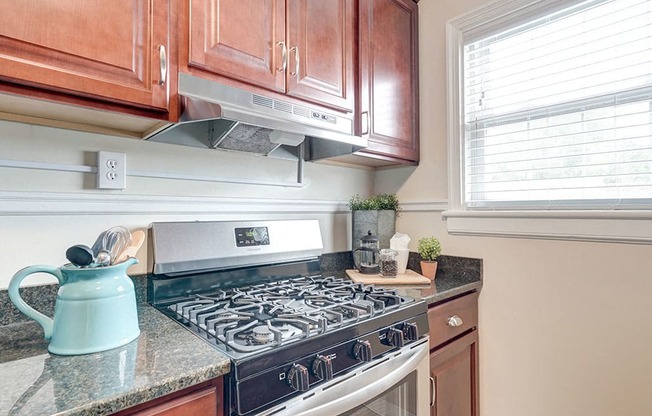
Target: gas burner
{"x":261,"y":335}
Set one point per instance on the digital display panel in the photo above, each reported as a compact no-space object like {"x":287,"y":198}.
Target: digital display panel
{"x":251,"y":236}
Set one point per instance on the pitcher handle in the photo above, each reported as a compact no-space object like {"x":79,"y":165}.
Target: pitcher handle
{"x":45,"y":321}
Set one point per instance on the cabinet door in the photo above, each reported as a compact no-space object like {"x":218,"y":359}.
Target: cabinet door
{"x":320,"y":41}
{"x":454,"y":370}
{"x":389,"y":102}
{"x":97,"y":49}
{"x":240,"y":39}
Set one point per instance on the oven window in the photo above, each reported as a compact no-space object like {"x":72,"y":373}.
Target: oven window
{"x":399,"y":400}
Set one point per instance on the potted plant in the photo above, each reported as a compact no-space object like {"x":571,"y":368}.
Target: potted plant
{"x":377,"y":214}
{"x":429,"y":249}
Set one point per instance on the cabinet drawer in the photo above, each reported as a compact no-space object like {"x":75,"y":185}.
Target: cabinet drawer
{"x":442,"y":321}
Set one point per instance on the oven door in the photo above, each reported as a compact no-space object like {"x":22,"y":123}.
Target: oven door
{"x":396,"y":384}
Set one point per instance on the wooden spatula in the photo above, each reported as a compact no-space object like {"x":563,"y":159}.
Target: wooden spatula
{"x":137,"y":239}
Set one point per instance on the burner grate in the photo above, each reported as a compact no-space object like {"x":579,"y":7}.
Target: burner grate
{"x":262,"y":316}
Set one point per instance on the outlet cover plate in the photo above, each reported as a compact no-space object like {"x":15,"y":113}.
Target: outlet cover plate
{"x":111,"y":170}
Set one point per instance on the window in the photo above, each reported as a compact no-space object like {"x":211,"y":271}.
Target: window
{"x":551,"y":106}
{"x":557,"y":110}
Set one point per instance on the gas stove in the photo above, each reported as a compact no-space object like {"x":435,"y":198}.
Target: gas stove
{"x":249,"y":320}
{"x":286,"y":326}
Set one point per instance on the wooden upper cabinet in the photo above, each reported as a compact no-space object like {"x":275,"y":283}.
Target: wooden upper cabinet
{"x":389,"y":81}
{"x":240,"y":39}
{"x":107,"y":50}
{"x":320,"y":46}
{"x":301,"y":48}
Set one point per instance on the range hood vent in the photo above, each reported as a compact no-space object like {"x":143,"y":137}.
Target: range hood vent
{"x":217,"y":116}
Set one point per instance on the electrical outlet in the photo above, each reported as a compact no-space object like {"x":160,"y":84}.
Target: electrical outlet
{"x":111,"y":170}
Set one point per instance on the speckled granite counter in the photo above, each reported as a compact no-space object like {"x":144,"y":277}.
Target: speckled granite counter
{"x":455,"y":275}
{"x":442,"y":288}
{"x":165,"y":358}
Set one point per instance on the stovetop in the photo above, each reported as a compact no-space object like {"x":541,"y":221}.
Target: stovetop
{"x":278,"y":318}
{"x":252,"y":319}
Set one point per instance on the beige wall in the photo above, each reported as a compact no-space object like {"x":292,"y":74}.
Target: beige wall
{"x":565,"y":327}
{"x":43,"y":212}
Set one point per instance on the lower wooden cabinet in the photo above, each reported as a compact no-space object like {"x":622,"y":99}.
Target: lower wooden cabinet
{"x":454,"y":357}
{"x":454,"y":372}
{"x":204,"y":400}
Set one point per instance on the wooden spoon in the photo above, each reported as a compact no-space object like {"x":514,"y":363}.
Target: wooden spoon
{"x":137,"y":239}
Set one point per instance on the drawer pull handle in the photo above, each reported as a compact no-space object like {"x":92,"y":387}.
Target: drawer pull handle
{"x":454,"y":321}
{"x":433,"y":392}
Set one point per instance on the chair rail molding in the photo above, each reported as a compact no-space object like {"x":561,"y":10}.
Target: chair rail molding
{"x":24,"y":203}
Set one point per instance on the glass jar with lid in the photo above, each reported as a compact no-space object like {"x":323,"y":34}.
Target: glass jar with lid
{"x":388,"y":262}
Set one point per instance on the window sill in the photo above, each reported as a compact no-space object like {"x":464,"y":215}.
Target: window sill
{"x":634,"y":227}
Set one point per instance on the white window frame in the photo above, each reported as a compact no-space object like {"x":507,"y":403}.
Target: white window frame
{"x":624,"y":226}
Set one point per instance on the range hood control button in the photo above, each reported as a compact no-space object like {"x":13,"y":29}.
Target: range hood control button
{"x":362,"y":350}
{"x":298,"y":377}
{"x":322,"y":368}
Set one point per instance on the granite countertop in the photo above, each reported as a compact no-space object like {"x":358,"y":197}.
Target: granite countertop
{"x":439,"y":290}
{"x":165,"y":358}
{"x":449,"y":282}
{"x":455,"y":275}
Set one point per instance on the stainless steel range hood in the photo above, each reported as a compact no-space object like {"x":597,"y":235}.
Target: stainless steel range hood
{"x":217,"y":116}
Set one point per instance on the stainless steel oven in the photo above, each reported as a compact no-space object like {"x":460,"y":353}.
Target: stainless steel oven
{"x":396,"y":385}
{"x":301,"y":342}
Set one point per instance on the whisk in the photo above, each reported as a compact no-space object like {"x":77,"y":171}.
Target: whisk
{"x":110,"y":244}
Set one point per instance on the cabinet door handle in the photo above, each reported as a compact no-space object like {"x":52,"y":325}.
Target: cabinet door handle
{"x":284,"y":59}
{"x":365,"y":122}
{"x":163,"y":62}
{"x":454,"y":321}
{"x":296,"y":61}
{"x":433,"y":392}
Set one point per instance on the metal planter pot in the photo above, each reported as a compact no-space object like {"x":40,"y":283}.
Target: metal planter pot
{"x":381,"y":223}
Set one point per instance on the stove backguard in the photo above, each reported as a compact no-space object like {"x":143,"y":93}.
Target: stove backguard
{"x":162,"y":289}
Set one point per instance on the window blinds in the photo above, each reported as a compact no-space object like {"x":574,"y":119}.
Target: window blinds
{"x":558,"y":110}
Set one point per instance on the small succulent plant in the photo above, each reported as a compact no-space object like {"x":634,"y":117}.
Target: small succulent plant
{"x":429,"y":248}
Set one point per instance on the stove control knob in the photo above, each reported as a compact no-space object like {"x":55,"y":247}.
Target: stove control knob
{"x":411,"y":331}
{"x":322,"y":367}
{"x":362,"y":350}
{"x":395,"y":337}
{"x":298,"y":377}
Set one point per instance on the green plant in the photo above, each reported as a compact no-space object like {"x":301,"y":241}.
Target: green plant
{"x":429,"y":248}
{"x":374,"y":202}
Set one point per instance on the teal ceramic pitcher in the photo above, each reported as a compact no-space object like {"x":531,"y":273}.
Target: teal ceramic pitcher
{"x":95,"y":308}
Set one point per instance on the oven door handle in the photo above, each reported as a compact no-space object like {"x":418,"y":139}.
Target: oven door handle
{"x":363,"y":384}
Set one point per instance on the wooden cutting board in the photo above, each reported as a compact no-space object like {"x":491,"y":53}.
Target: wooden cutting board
{"x":410,"y":277}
